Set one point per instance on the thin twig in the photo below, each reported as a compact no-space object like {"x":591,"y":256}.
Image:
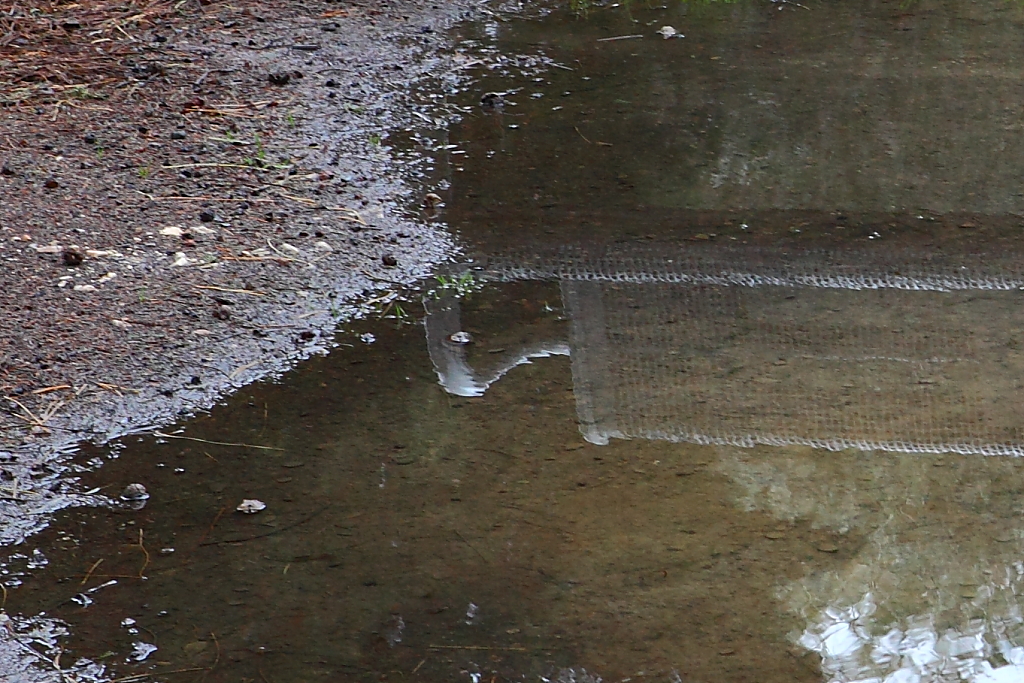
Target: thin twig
{"x":146,"y":552}
{"x":269,"y":533}
{"x":46,"y":390}
{"x":215,"y":443}
{"x":232,"y":291}
{"x":88,"y":574}
{"x":632,"y":35}
{"x":477,"y":647}
{"x":139,"y":677}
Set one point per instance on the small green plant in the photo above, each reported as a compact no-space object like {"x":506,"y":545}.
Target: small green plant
{"x":375,"y":139}
{"x":261,"y":153}
{"x":81,"y":92}
{"x":401,"y":315}
{"x":99,"y":153}
{"x":144,"y":172}
{"x":290,"y":120}
{"x":462,"y":286}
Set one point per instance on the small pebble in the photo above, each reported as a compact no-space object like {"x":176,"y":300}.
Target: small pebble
{"x":281,"y":78}
{"x":251,"y":506}
{"x":134,"y":492}
{"x":206,"y":216}
{"x":51,"y":184}
{"x":389,"y":260}
{"x":72,"y":257}
{"x":492,"y":100}
{"x":89,"y":139}
{"x":178,"y":135}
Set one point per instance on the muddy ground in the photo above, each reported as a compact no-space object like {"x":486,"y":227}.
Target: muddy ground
{"x":206,"y":207}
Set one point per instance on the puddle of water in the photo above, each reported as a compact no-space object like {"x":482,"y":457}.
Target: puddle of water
{"x":727,"y":391}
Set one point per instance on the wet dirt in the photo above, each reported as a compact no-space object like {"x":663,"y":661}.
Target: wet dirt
{"x":176,"y":234}
{"x":724,"y":389}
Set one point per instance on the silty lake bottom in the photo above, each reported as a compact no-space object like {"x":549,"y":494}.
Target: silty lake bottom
{"x":739,"y":400}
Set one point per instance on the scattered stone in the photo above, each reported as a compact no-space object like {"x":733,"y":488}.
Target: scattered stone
{"x":6,"y":170}
{"x":432,"y":200}
{"x":51,"y":184}
{"x":206,"y":216}
{"x":72,"y":256}
{"x":134,"y":492}
{"x":178,"y":135}
{"x":89,"y":139}
{"x":172,"y":231}
{"x":828,"y":548}
{"x":461,"y":338}
{"x":222,"y":313}
{"x":669,"y":32}
{"x":389,"y":260}
{"x":250,"y":506}
{"x":85,"y":288}
{"x":281,"y":78}
{"x":180,"y":259}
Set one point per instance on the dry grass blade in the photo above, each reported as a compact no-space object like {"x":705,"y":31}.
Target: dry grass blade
{"x":69,"y":50}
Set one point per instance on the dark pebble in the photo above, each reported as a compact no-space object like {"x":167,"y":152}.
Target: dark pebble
{"x":89,"y":139}
{"x":491,"y":100}
{"x":331,"y":83}
{"x":389,"y":260}
{"x":222,"y":313}
{"x":6,"y":170}
{"x":282,"y":78}
{"x":72,"y":257}
{"x":178,"y":135}
{"x":206,"y":216}
{"x":51,"y":184}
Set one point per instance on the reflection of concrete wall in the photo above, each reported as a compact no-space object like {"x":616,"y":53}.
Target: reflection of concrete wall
{"x":815,"y":352}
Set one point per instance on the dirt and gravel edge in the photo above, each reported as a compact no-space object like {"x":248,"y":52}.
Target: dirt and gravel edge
{"x":167,"y":317}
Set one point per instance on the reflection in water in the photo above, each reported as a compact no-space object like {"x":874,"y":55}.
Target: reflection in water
{"x":834,"y":352}
{"x":823,"y":353}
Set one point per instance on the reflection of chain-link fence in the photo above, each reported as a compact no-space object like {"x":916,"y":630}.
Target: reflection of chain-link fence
{"x":835,"y":351}
{"x":757,"y":267}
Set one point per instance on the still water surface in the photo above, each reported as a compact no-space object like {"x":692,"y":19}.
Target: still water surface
{"x":740,"y":400}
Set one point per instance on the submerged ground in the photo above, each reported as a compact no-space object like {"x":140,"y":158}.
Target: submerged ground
{"x":722,"y":387}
